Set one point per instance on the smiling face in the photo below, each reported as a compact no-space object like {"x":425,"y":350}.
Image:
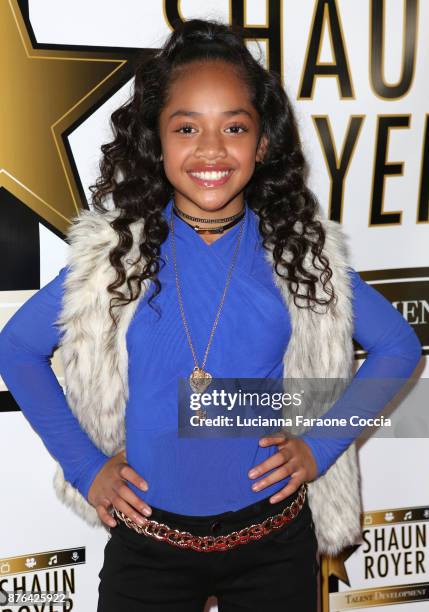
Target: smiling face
{"x":209,"y":137}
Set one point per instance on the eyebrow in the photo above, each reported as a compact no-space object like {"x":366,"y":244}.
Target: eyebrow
{"x":229,"y":113}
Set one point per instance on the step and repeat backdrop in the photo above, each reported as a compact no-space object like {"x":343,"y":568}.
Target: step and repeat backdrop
{"x":357,"y":75}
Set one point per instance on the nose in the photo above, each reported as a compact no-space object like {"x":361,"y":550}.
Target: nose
{"x":210,"y":146}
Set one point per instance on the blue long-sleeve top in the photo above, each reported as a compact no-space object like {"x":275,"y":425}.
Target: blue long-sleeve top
{"x":196,"y":476}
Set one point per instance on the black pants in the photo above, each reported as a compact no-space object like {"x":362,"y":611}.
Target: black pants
{"x":278,"y":572}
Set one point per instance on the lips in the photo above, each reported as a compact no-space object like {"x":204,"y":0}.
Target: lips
{"x":207,"y":176}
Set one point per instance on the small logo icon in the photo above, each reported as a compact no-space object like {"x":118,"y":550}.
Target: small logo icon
{"x":53,"y":560}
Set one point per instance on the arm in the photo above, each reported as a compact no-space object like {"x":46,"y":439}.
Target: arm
{"x":27,"y":342}
{"x":394,"y":351}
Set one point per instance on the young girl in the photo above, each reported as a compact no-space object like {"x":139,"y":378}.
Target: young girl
{"x":211,"y":212}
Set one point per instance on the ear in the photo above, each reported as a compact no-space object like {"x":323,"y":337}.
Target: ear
{"x":262,"y":148}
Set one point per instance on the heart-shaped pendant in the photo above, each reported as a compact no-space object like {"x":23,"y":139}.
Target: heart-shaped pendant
{"x":199,"y":380}
{"x":201,"y":414}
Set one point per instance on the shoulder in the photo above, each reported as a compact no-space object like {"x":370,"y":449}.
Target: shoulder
{"x":91,"y":226}
{"x":90,"y":237}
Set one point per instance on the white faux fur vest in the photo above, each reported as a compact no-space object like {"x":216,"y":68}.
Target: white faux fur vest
{"x":95,"y":363}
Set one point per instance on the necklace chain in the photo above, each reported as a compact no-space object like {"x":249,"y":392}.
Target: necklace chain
{"x":203,"y":220}
{"x":182,"y":312}
{"x":212,"y":230}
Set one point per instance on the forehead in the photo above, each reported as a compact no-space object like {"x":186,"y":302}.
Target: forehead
{"x":208,"y":87}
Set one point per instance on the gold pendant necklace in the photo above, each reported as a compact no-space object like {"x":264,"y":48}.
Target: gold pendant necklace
{"x":199,"y":379}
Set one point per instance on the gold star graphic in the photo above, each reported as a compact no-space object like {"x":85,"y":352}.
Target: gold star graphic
{"x":44,"y":94}
{"x":337,"y":565}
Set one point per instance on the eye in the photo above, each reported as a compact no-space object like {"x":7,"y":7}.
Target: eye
{"x":184,"y":127}
{"x":238,"y":126}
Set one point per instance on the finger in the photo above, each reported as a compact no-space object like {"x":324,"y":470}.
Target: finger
{"x":293,"y":485}
{"x":274,"y":439}
{"x":124,"y":492}
{"x":120,"y":504}
{"x":105,"y":516}
{"x":272,"y":462}
{"x":279,"y":474}
{"x":127,"y":472}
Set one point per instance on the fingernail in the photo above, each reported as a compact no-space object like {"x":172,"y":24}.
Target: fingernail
{"x":143,"y":486}
{"x":255,"y":486}
{"x":252,"y":473}
{"x":147,"y":511}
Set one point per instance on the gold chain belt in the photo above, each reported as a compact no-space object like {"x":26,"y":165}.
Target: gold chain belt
{"x":184,"y":539}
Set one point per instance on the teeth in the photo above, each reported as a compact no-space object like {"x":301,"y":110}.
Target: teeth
{"x":210,"y":176}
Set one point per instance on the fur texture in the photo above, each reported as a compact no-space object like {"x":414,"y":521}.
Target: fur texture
{"x":95,"y":364}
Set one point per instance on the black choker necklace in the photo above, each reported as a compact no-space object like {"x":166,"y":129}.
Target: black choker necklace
{"x":215,"y":230}
{"x":202,"y":219}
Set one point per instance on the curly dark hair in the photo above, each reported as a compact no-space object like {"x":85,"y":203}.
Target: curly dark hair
{"x":277,"y":191}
